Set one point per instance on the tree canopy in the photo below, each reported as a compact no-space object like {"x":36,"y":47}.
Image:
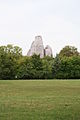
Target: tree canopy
{"x":13,"y":65}
{"x":69,"y":51}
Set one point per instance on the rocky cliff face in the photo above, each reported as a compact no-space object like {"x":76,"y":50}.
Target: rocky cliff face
{"x":37,"y":47}
{"x":48,"y":51}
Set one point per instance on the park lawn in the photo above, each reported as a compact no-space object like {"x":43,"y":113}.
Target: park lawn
{"x":40,"y":100}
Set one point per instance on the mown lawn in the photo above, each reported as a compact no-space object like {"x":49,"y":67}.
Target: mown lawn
{"x":40,"y":100}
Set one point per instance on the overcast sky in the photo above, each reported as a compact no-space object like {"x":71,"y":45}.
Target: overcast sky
{"x":57,"y":21}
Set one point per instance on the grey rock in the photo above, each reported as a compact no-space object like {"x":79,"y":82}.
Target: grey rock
{"x":37,"y":47}
{"x":48,"y":51}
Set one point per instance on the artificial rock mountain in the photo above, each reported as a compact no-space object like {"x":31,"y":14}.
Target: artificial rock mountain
{"x":37,"y":48}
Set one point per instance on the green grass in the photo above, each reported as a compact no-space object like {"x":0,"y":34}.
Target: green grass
{"x":40,"y":100}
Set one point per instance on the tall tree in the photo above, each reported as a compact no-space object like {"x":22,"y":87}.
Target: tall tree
{"x":47,"y":67}
{"x":8,"y":62}
{"x":56,"y":66}
{"x":69,"y":51}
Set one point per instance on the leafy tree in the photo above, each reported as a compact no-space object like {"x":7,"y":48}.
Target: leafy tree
{"x":30,"y":67}
{"x":25,"y":67}
{"x":37,"y":66}
{"x":69,"y":68}
{"x":8,"y":62}
{"x":69,"y":51}
{"x":47,"y":67}
{"x":13,"y":65}
{"x":56,"y":66}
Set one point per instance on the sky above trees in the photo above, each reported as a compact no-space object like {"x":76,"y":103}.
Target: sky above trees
{"x":57,"y":21}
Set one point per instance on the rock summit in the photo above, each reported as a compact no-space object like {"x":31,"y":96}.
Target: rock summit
{"x":37,"y":48}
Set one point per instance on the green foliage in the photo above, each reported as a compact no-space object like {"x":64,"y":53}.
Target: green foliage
{"x":34,"y":67}
{"x":56,"y":66}
{"x":25,"y":68}
{"x":13,"y":65}
{"x":8,"y":61}
{"x":67,"y":67}
{"x":47,"y":67}
{"x":69,"y":51}
{"x":37,"y":62}
{"x":30,"y":67}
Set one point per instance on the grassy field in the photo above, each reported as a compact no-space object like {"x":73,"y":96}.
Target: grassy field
{"x":40,"y":100}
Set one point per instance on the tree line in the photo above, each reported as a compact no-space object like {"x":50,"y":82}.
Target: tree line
{"x":13,"y":65}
